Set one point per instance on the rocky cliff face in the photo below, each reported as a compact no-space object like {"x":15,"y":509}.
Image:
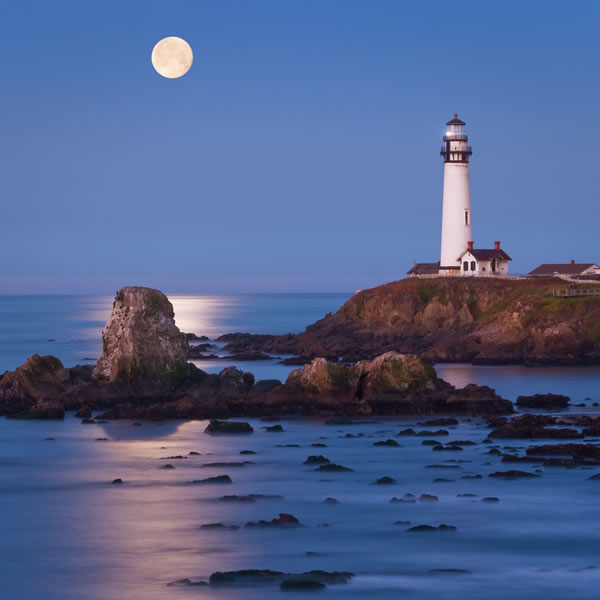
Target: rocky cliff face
{"x":140,"y":342}
{"x":471,"y":320}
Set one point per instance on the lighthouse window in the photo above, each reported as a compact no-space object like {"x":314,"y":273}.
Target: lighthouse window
{"x":472,"y":265}
{"x":466,"y":217}
{"x":465,"y":266}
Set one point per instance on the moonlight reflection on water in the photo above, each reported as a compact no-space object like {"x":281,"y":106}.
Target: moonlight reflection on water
{"x":91,"y":539}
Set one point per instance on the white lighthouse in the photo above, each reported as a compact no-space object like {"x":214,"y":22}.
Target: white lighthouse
{"x":457,"y":230}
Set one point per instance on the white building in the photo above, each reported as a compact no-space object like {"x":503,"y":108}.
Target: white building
{"x":458,"y":256}
{"x":486,"y":262}
{"x":457,"y":229}
{"x":571,"y":269}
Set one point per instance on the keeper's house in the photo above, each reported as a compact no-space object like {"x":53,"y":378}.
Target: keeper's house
{"x":484,"y":261}
{"x":571,"y":269}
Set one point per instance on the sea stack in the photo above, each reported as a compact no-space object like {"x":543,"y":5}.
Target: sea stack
{"x":140,"y":341}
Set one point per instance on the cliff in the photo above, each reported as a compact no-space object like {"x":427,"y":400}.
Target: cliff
{"x":485,"y":321}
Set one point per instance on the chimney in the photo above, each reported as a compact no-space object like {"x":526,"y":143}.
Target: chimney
{"x":470,"y":245}
{"x":572,"y":262}
{"x":497,"y":245}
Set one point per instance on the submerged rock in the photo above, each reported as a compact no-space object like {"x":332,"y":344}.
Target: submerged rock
{"x":220,"y":465}
{"x":316,"y":460}
{"x":249,"y":575}
{"x":449,"y":572}
{"x":252,"y":355}
{"x":388,"y":443}
{"x":234,"y":498}
{"x":216,"y":426}
{"x":443,"y":421}
{"x":550,"y":401}
{"x":284,"y":520}
{"x":331,"y":467}
{"x":274,"y":429}
{"x":187,"y":582}
{"x":216,"y":479}
{"x":408,"y":431}
{"x":426,"y":528}
{"x":513,"y":475}
{"x":428,"y":498}
{"x":301,"y":584}
{"x":265,"y":576}
{"x":385,"y":481}
{"x":574,"y":450}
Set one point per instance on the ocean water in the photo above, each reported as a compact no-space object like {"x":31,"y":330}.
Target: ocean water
{"x":66,"y":532}
{"x":70,"y":327}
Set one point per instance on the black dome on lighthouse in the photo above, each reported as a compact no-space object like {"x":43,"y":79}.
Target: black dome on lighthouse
{"x":455,"y":121}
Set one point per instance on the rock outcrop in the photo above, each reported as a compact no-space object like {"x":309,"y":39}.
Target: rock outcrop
{"x":140,"y":342}
{"x":143,"y":374}
{"x":33,"y":388}
{"x":478,"y":320}
{"x":392,"y":384}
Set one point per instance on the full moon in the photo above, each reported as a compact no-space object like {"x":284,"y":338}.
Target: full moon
{"x":172,"y":57}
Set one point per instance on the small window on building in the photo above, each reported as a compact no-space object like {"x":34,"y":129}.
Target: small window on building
{"x":473,"y":266}
{"x":483,"y":268}
{"x":465,"y":266}
{"x":466,"y":217}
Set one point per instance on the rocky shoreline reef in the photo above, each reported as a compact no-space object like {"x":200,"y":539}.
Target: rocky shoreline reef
{"x":475,"y":320}
{"x":143,"y":373}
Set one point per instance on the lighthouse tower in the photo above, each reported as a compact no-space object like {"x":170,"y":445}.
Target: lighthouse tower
{"x":456,"y":215}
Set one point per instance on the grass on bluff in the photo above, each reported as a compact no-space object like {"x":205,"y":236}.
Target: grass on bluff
{"x":593,"y":334}
{"x":470,"y":291}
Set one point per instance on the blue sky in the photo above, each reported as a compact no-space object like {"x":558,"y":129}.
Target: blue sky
{"x":300,"y":152}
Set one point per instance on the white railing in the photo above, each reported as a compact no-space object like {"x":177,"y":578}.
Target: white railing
{"x":579,"y":281}
{"x":459,"y":274}
{"x":573,"y":292}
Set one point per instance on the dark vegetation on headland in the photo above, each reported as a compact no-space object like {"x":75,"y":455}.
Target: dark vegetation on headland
{"x":143,"y":371}
{"x":476,"y":320}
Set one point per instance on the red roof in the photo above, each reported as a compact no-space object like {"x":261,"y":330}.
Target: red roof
{"x":562,"y":269}
{"x":487,"y":254}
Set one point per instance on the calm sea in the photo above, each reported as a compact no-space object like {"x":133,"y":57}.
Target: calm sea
{"x":67,"y":533}
{"x":70,"y":327}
